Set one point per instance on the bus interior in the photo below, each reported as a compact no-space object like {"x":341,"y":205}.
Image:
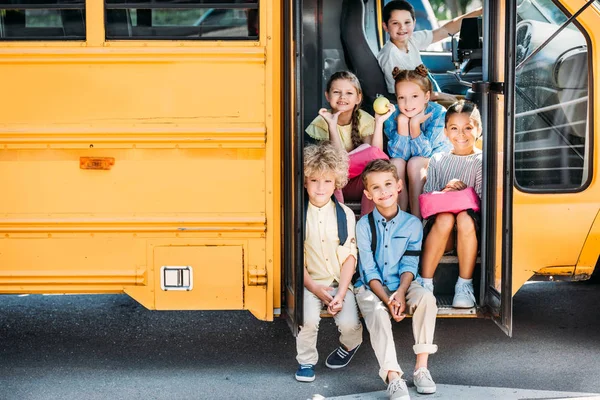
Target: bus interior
{"x":551,"y":108}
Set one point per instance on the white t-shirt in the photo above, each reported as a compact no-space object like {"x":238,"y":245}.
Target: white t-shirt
{"x":390,"y":56}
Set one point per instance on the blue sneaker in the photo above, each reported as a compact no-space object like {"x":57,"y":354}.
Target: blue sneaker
{"x":305,"y":373}
{"x":340,"y":357}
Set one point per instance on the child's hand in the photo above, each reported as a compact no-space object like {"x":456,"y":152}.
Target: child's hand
{"x":322,"y":292}
{"x":421,"y":117}
{"x":403,"y":125}
{"x":454,"y":185}
{"x":381,"y":118}
{"x":397,"y":304}
{"x":336,"y":305}
{"x":331,"y":118}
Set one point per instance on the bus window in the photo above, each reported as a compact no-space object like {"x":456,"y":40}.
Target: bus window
{"x":552,"y":146}
{"x":44,"y":20}
{"x":192,"y":20}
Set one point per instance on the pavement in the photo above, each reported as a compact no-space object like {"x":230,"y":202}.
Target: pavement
{"x":473,"y":393}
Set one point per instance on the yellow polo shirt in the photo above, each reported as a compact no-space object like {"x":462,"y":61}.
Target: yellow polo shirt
{"x":323,"y":253}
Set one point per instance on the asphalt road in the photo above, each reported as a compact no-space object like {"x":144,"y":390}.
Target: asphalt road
{"x":110,"y":347}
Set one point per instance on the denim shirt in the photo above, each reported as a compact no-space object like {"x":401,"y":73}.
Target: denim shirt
{"x":403,"y":232}
{"x":431,"y":140}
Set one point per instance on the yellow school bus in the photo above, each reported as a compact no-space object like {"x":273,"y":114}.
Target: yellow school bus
{"x":154,"y":148}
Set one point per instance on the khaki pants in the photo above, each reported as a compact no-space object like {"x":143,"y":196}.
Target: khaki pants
{"x":346,"y":320}
{"x":421,"y":304}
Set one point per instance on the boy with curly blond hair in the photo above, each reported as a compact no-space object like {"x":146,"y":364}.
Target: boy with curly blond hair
{"x":329,"y":261}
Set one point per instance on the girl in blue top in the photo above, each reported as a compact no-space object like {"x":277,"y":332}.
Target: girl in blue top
{"x":415,"y":132}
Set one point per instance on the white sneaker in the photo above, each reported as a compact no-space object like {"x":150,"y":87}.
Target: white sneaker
{"x":428,"y":286}
{"x":397,"y":390}
{"x":463,"y":295}
{"x":423,"y":381}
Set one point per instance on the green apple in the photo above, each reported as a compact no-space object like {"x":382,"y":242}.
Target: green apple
{"x":380,"y":105}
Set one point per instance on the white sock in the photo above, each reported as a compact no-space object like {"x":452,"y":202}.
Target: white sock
{"x":462,"y":281}
{"x":428,"y":280}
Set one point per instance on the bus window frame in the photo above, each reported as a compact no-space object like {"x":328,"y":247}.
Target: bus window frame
{"x":184,"y":6}
{"x":52,"y":7}
{"x":590,"y":106}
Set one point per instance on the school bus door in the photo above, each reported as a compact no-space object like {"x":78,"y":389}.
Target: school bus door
{"x":496,"y":100}
{"x":292,"y":176}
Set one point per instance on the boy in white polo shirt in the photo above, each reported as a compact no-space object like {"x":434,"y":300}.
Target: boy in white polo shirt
{"x":329,"y":261}
{"x":402,"y":50}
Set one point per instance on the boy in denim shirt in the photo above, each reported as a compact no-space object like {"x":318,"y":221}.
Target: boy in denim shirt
{"x":388,"y":264}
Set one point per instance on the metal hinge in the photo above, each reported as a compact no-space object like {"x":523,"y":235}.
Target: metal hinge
{"x":488,"y":87}
{"x":257,"y":276}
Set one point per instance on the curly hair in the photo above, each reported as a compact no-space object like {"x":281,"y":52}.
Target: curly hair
{"x":379,"y":165}
{"x":323,"y":158}
{"x":418,"y":76}
{"x":350,"y":77}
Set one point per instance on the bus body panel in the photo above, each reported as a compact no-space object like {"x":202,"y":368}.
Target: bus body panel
{"x":192,"y":130}
{"x":551,"y":230}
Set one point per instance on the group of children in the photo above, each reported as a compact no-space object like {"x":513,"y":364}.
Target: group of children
{"x":428,"y":149}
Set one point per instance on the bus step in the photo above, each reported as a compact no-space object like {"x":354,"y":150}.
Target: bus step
{"x":444,"y":303}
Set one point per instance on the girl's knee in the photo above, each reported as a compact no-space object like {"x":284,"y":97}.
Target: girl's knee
{"x":417,"y":164}
{"x":444,"y":221}
{"x":464,"y":223}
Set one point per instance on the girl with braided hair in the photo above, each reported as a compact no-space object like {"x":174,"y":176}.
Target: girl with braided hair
{"x":415,"y":132}
{"x":351,"y":129}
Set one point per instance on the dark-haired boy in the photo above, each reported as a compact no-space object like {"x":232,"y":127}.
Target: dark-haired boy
{"x":389,"y":245}
{"x":402,"y":50}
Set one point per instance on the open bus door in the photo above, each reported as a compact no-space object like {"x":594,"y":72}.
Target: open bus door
{"x":293,"y":143}
{"x":497,"y":105}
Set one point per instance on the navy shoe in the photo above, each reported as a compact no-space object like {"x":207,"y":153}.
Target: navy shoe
{"x":305,"y":373}
{"x":340,"y":357}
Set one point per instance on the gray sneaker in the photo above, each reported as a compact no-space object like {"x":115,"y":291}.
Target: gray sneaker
{"x":397,"y":390}
{"x":463,"y":296}
{"x":423,"y":381}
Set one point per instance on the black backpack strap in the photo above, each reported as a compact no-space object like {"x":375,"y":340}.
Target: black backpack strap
{"x":373,"y":233}
{"x":342,"y":222}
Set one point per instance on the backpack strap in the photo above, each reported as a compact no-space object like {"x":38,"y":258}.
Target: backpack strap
{"x":342,"y":222}
{"x":373,"y":232}
{"x":416,"y":253}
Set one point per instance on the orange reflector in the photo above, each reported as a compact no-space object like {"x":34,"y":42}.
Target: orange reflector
{"x":96,"y":162}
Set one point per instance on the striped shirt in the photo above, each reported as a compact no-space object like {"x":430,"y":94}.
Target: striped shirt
{"x":431,"y":140}
{"x":443,"y":167}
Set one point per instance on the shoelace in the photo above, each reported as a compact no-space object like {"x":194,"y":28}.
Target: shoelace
{"x":466,"y":289}
{"x":305,"y":366}
{"x":395,"y":385}
{"x":342,"y":353}
{"x":423,"y":373}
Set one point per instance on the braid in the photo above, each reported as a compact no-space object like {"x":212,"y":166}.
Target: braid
{"x":355,"y":135}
